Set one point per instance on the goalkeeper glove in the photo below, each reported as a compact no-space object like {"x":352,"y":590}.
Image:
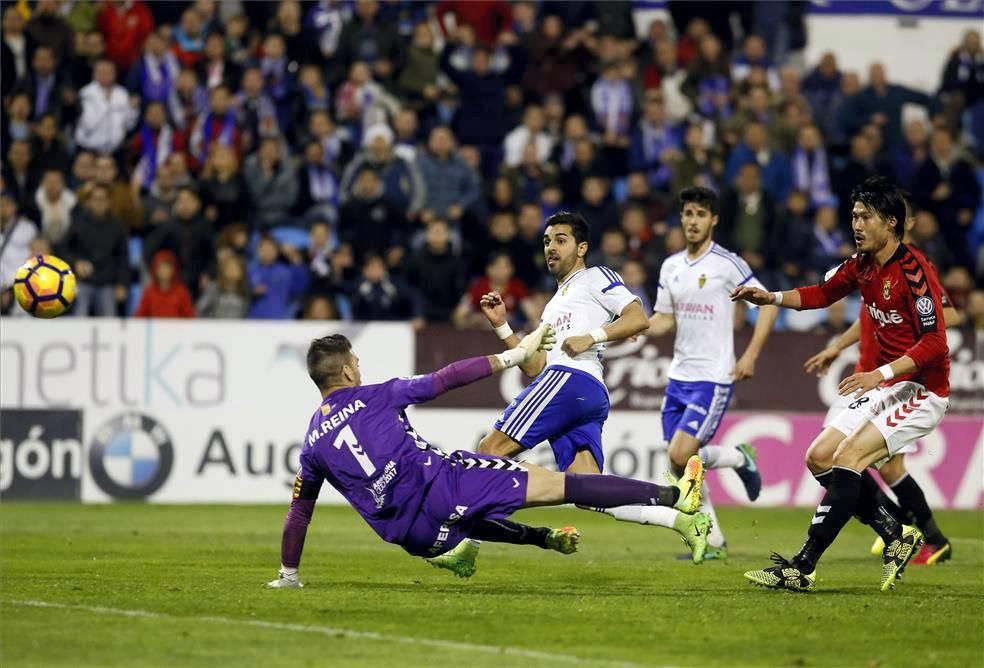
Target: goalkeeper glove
{"x":542,"y":338}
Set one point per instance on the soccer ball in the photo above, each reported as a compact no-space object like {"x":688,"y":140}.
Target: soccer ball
{"x":45,"y":286}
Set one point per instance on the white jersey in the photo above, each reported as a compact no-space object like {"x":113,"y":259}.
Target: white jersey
{"x":589,"y":299}
{"x":697,"y":293}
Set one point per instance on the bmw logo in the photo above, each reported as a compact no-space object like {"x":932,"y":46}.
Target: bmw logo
{"x":130,"y":456}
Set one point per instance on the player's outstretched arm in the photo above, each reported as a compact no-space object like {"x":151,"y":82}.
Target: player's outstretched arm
{"x":760,"y":297}
{"x":820,"y":363}
{"x":495,"y":311}
{"x":631,"y":321}
{"x":295,"y":531}
{"x":660,"y":324}
{"x":403,"y":392}
{"x":534,"y":344}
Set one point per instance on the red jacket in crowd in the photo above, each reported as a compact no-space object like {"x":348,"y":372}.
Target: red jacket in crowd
{"x":125,"y":28}
{"x":171,"y":302}
{"x":489,"y":18}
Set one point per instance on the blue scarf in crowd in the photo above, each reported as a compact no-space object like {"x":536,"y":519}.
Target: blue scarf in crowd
{"x":154,"y":150}
{"x":225,"y":135}
{"x":813,"y":177}
{"x":157,"y":76}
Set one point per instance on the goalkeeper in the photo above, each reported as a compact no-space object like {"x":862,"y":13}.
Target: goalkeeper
{"x":416,"y":496}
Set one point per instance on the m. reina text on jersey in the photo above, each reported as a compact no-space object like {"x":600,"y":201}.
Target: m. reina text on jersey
{"x":336,"y":420}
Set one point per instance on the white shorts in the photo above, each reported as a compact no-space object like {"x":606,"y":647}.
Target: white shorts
{"x":839,"y":406}
{"x":902,"y":413}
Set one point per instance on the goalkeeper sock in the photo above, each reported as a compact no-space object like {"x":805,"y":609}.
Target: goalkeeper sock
{"x":721,"y":457}
{"x":609,"y":491}
{"x":832,"y":514}
{"x":504,"y":531}
{"x":914,"y":505}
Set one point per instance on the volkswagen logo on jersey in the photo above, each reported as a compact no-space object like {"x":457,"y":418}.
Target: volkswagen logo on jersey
{"x":924,"y":306}
{"x":130,"y":456}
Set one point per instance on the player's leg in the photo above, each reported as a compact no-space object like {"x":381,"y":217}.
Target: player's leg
{"x":472,"y":498}
{"x":855,"y":453}
{"x":555,"y":402}
{"x":550,"y":488}
{"x":844,"y":417}
{"x":887,"y":503}
{"x":871,"y":500}
{"x":508,"y":436}
{"x":705,"y":406}
{"x":477,"y":488}
{"x":852,"y":456}
{"x":915,"y":510}
{"x":562,"y":540}
{"x":497,"y":444}
{"x":741,"y":458}
{"x":692,"y":528}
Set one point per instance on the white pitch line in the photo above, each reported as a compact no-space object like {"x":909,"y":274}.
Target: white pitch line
{"x":340,"y":632}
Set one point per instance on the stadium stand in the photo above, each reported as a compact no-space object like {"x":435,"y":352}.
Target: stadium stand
{"x":392,"y":160}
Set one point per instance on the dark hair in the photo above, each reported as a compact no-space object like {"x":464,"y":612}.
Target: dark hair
{"x":495,"y":256}
{"x":190,"y":189}
{"x":580,"y":229}
{"x":325,"y":358}
{"x":98,"y":186}
{"x":704,"y":197}
{"x":884,"y":198}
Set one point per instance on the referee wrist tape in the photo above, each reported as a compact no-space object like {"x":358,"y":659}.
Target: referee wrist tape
{"x":598,"y":335}
{"x":504,"y":331}
{"x":886,"y":371}
{"x":778,"y":295}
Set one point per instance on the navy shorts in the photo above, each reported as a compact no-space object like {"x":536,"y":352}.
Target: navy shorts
{"x":564,"y":406}
{"x":694,"y":407}
{"x":470,"y":488}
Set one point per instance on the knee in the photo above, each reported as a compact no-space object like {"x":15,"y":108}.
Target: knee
{"x":678,"y":457}
{"x":820,"y":454}
{"x":818,"y":461}
{"x":486,"y":445}
{"x":498,"y":444}
{"x":893,"y":470}
{"x":847,"y":456}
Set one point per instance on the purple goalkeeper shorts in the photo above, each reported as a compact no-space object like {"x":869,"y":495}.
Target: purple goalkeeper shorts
{"x":472,"y":487}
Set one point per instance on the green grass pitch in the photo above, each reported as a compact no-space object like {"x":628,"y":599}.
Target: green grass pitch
{"x":139,"y":585}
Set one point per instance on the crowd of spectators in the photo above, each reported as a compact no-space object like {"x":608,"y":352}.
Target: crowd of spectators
{"x":395,"y":160}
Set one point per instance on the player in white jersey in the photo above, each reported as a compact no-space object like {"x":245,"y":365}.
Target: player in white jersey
{"x":567,"y":403}
{"x":694,"y":297}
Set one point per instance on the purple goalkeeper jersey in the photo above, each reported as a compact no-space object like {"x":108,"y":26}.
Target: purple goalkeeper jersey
{"x":362,"y":443}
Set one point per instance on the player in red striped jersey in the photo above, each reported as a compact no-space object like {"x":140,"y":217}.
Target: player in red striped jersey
{"x":912,"y":506}
{"x":907,"y":394}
